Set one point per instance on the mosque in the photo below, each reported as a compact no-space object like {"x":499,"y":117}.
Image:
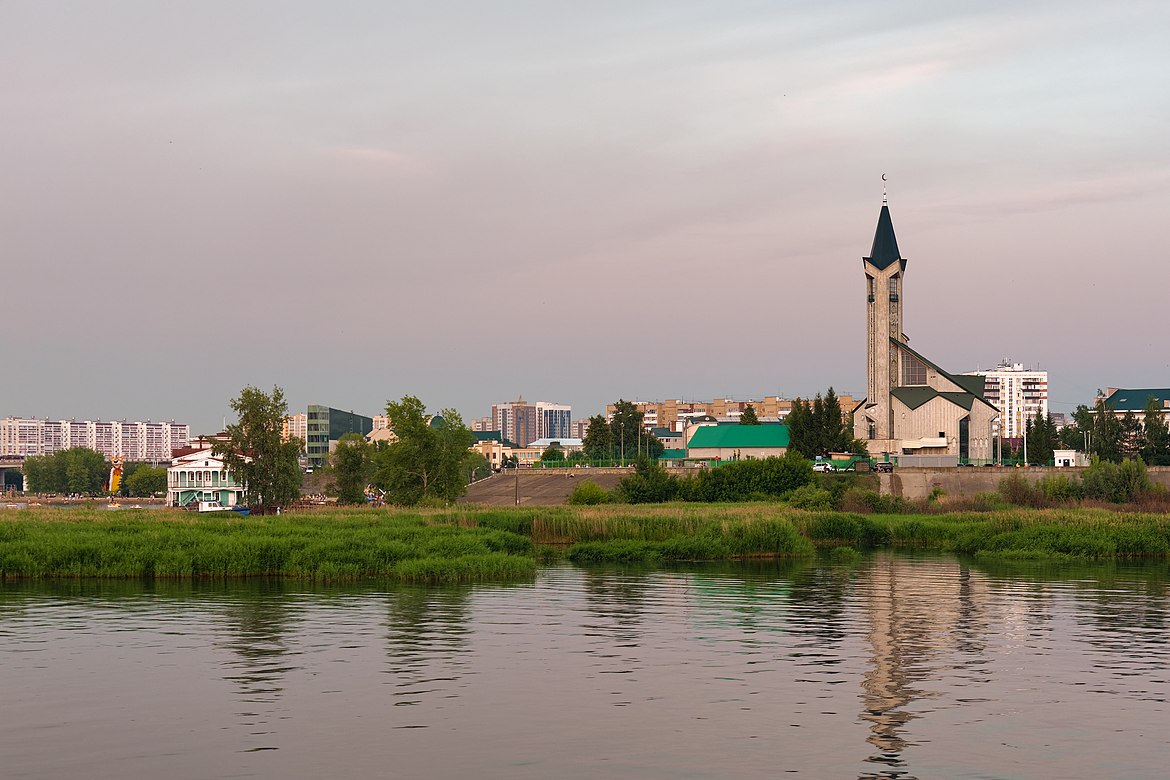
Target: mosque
{"x":913,"y":407}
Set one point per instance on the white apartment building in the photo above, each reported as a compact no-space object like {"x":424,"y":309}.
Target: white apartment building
{"x":553,"y":421}
{"x":133,"y":441}
{"x":1018,"y":394}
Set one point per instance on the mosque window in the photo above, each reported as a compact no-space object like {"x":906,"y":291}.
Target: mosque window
{"x":913,"y":370}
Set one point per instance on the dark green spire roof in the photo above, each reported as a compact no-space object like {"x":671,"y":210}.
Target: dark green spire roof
{"x":885,"y":245}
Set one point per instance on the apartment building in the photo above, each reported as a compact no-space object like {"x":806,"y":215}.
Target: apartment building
{"x":150,"y":442}
{"x":296,"y":426}
{"x":673,"y":414}
{"x":1018,"y":394}
{"x":523,"y":423}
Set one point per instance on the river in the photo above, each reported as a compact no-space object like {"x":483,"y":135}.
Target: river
{"x":897,"y":666}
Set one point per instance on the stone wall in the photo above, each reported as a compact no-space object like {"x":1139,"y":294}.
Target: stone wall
{"x":967,"y":481}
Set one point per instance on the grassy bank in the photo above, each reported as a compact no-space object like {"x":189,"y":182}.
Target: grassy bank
{"x":467,"y":544}
{"x":703,"y":532}
{"x":321,"y":545}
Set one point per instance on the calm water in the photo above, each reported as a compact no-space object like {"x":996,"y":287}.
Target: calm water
{"x":896,"y":667}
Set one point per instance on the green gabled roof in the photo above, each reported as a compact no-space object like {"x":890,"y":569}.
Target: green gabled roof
{"x":884,"y":252}
{"x":739,"y":436}
{"x":1136,"y":400}
{"x":915,"y":397}
{"x":488,"y":436}
{"x":965,"y":400}
{"x":972,"y":384}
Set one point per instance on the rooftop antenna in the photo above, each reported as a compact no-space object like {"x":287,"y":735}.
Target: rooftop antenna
{"x":884,"y":189}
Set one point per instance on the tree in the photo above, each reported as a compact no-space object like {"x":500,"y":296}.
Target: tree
{"x":477,"y":466}
{"x":598,"y":441}
{"x":1074,"y":435}
{"x":748,"y":417}
{"x":1041,"y":432}
{"x":429,"y":458}
{"x":552,"y":453}
{"x":352,"y":468}
{"x":1107,"y":432}
{"x":1133,"y":435}
{"x":75,"y":470}
{"x":1157,"y":434}
{"x":621,"y":437}
{"x":255,"y":451}
{"x":626,"y":429}
{"x":820,"y":427}
{"x":799,"y":428}
{"x":146,"y":480}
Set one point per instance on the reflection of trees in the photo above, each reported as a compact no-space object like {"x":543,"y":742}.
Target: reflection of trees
{"x":427,"y":627}
{"x":257,"y":619}
{"x":618,"y":601}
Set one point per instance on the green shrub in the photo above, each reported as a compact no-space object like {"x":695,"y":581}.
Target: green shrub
{"x":809,"y":497}
{"x":649,"y":484}
{"x":1060,"y":488}
{"x":1018,"y":491}
{"x":870,"y":501}
{"x":588,"y":493}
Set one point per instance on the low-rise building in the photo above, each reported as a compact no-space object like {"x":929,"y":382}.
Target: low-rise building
{"x":736,"y":442}
{"x":200,"y":475}
{"x":1120,"y":400}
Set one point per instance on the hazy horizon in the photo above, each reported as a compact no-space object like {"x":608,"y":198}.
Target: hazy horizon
{"x":471,"y":201}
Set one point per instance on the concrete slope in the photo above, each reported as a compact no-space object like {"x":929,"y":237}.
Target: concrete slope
{"x":537,"y":488}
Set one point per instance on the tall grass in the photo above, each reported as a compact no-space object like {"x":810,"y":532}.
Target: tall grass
{"x":325,"y":545}
{"x":463,"y":545}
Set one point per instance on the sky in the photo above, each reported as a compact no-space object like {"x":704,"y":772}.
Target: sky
{"x":475,"y":200}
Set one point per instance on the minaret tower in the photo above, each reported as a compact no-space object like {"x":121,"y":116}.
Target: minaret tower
{"x":884,"y":269}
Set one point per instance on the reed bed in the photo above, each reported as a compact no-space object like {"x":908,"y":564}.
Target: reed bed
{"x":336,"y":545}
{"x":468,"y":544}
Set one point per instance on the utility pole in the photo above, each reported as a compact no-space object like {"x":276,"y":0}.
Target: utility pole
{"x":516,"y":465}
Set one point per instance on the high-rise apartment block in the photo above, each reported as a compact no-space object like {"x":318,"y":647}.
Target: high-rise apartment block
{"x":1017,"y":393}
{"x":134,"y":441}
{"x":296,"y":426}
{"x":523,"y":423}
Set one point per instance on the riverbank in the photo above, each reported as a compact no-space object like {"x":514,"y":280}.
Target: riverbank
{"x":466,"y":545}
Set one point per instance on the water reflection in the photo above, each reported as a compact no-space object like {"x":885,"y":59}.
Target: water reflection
{"x":427,"y":635}
{"x":896,"y":667}
{"x":257,"y":628}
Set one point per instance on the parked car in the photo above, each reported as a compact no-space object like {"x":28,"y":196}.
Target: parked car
{"x":824,"y":467}
{"x":883,"y":466}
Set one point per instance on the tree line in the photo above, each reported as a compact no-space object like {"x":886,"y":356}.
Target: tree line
{"x":431,"y":458}
{"x":84,"y":471}
{"x":1101,"y":432}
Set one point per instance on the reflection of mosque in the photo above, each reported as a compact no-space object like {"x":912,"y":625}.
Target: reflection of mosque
{"x":918,"y":614}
